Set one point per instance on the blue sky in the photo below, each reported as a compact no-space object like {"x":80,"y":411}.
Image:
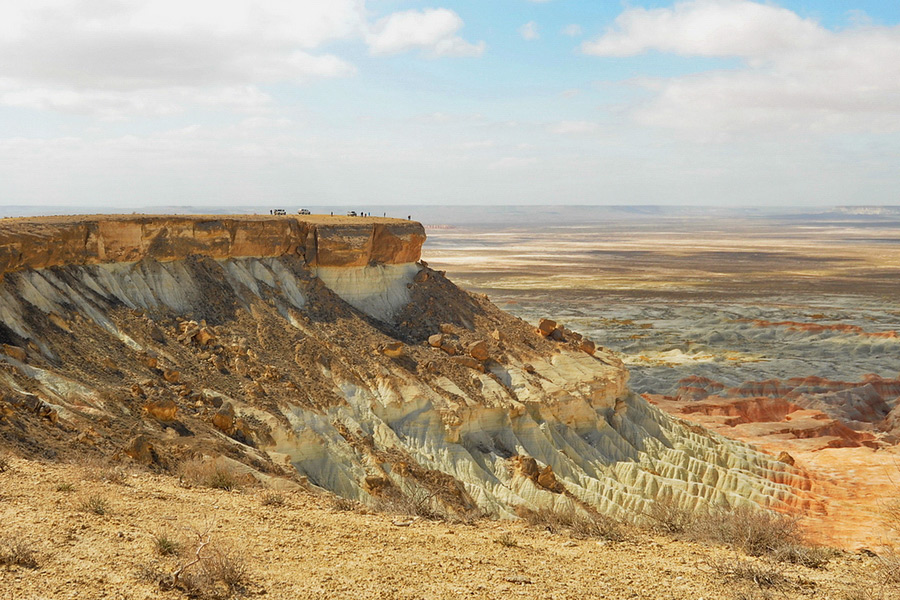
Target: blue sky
{"x":134,"y":104}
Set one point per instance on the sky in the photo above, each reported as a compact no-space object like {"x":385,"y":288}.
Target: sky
{"x":135,"y":103}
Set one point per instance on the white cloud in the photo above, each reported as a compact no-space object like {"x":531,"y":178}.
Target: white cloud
{"x":431,"y":30}
{"x":573,"y":30}
{"x":116,"y":58}
{"x":796,"y":74}
{"x":513,"y":162}
{"x":529,"y":31}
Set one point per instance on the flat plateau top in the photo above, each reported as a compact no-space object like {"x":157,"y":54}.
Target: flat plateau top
{"x":317,"y":219}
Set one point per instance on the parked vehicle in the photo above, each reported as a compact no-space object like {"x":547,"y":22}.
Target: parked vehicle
{"x":303,"y":211}
{"x":351,"y":213}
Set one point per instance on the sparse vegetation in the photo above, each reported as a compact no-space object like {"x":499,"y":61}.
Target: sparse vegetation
{"x":208,"y":473}
{"x":212,"y":573}
{"x":17,"y":552}
{"x":273,"y":499}
{"x":166,"y":545}
{"x":507,"y":540}
{"x":579,"y":525}
{"x":95,"y":504}
{"x":762,"y":574}
{"x":342,"y":504}
{"x":5,"y":465}
{"x":65,"y":487}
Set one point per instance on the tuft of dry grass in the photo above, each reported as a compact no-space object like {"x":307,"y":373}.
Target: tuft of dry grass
{"x":213,"y":572}
{"x":273,"y":499}
{"x":341,"y":504}
{"x":507,"y":540}
{"x":5,"y":464}
{"x":166,"y":545}
{"x":95,"y":504}
{"x":65,"y":487}
{"x":17,"y":552}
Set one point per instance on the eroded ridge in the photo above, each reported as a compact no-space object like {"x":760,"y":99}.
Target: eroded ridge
{"x":353,"y":364}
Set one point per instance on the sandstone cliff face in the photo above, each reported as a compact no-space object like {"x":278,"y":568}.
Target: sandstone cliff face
{"x":329,"y":242}
{"x":276,"y":360}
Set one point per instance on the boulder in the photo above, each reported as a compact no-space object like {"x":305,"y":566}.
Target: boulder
{"x":558,"y":335}
{"x":546,"y":327}
{"x":785,"y":458}
{"x":588,"y":346}
{"x":164,"y":410}
{"x":478,"y":350}
{"x":204,"y":337}
{"x":171,"y":375}
{"x":436,"y":340}
{"x":223,"y":419}
{"x":468,"y":361}
{"x":141,"y":450}
{"x":547,"y":480}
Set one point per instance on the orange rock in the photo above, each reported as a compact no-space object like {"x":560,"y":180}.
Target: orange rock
{"x":171,"y":375}
{"x":223,"y":419}
{"x":164,"y":410}
{"x":478,"y":350}
{"x":588,"y":346}
{"x":436,"y":340}
{"x":546,"y":327}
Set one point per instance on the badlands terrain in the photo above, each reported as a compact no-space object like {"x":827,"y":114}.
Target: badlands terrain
{"x":783,"y":331}
{"x":219,"y":406}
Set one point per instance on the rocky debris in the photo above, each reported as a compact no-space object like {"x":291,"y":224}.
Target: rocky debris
{"x":550,"y":329}
{"x":436,"y":340}
{"x":192,"y":332}
{"x":163,"y":409}
{"x":377,"y":485}
{"x":171,"y":375}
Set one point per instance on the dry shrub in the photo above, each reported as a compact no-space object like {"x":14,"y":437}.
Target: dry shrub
{"x":751,"y":530}
{"x":65,"y":487}
{"x":417,"y":503}
{"x":213,"y":571}
{"x":668,"y":517}
{"x":101,"y":469}
{"x":889,"y":566}
{"x":17,"y":552}
{"x":5,"y":465}
{"x":811,"y":557}
{"x":208,"y":473}
{"x":576,"y":524}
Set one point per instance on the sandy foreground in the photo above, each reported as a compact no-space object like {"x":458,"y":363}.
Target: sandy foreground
{"x":306,"y":548}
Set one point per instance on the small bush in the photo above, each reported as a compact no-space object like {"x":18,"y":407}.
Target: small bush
{"x":65,"y":487}
{"x":752,"y":530}
{"x":5,"y":465}
{"x":811,"y":557}
{"x":166,"y":545}
{"x":577,"y":525}
{"x":17,"y":552}
{"x":417,"y":503}
{"x":666,"y":516}
{"x":213,"y":573}
{"x":95,"y":504}
{"x":273,"y":499}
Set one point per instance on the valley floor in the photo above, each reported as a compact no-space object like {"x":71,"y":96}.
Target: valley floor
{"x":299,"y":544}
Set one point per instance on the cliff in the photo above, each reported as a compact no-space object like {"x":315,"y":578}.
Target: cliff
{"x":39,"y":243}
{"x":319,"y":348}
